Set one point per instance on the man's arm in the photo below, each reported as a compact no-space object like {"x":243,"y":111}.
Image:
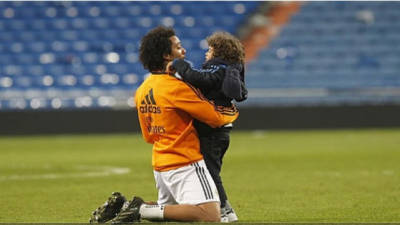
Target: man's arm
{"x":205,"y":79}
{"x":190,"y":100}
{"x":144,"y":125}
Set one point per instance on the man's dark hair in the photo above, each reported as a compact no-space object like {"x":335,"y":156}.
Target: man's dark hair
{"x":153,"y":46}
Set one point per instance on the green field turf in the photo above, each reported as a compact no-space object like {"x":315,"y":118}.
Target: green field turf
{"x":270,"y":176}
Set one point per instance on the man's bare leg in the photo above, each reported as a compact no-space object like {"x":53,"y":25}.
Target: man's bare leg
{"x":137,"y":209}
{"x":206,"y":212}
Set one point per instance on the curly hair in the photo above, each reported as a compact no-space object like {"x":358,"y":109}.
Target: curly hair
{"x":153,"y":46}
{"x":227,"y":47}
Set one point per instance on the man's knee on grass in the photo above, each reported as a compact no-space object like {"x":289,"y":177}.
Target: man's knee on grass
{"x":206,"y":212}
{"x":211,"y":212}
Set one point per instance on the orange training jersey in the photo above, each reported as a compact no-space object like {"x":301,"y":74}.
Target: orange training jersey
{"x":166,"y":108}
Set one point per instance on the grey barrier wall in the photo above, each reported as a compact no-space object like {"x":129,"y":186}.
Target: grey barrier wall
{"x":112,"y":121}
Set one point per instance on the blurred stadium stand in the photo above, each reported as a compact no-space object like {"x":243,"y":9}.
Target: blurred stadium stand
{"x":331,"y":53}
{"x":79,"y":56}
{"x":66,"y":55}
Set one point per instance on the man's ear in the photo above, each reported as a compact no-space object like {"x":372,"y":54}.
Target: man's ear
{"x":168,"y":57}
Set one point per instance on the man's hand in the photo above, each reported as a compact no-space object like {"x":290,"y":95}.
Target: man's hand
{"x":170,"y":68}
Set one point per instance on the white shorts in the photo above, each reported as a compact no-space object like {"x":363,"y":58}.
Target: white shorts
{"x":191,"y":184}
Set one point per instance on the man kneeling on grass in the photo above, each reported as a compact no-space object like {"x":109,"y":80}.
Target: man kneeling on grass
{"x":167,"y":107}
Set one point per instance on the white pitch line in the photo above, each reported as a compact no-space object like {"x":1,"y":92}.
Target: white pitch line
{"x":364,"y":173}
{"x":95,"y":172}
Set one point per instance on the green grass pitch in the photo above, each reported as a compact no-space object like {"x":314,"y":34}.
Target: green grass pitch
{"x":270,"y":176}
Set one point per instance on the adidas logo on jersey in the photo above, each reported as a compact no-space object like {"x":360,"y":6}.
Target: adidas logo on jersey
{"x":149,"y":105}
